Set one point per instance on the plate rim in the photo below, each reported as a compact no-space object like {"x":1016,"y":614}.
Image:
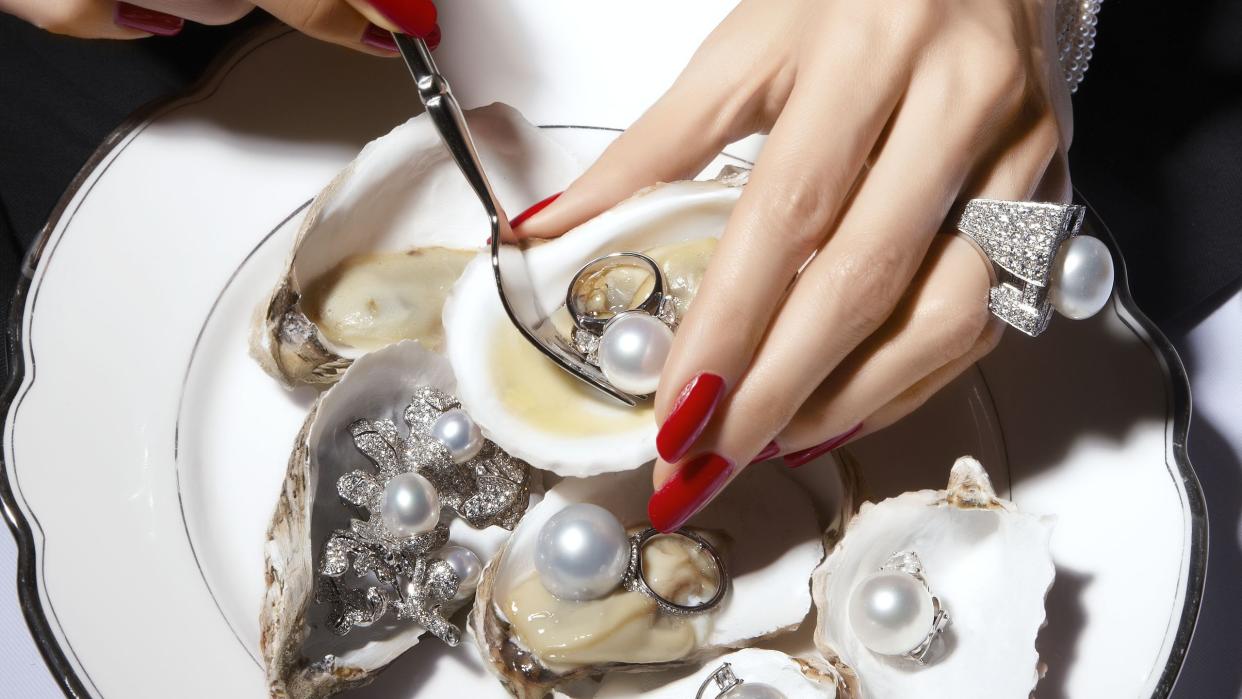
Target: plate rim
{"x":56,"y":657}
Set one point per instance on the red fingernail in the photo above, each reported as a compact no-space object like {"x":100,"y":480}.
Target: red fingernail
{"x":690,"y":488}
{"x":379,"y":38}
{"x":414,"y":17}
{"x":433,"y":38}
{"x":768,"y":452}
{"x":694,"y":407}
{"x":534,"y":209}
{"x":142,"y":19}
{"x":798,"y":458}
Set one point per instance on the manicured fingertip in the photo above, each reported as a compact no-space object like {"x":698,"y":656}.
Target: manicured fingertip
{"x":534,"y":209}
{"x":804,"y":456}
{"x":413,"y":17}
{"x":379,"y":38}
{"x":691,"y":487}
{"x":150,"y":21}
{"x":772,"y":449}
{"x":693,"y":409}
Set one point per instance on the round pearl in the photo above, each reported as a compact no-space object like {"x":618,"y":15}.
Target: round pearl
{"x":582,"y":553}
{"x":891,"y":612}
{"x":753,"y":690}
{"x":466,"y":565}
{"x":1082,"y":277}
{"x":632,"y":351}
{"x":411,"y":505}
{"x":459,"y":434}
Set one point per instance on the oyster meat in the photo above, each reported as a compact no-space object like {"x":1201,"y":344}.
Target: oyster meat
{"x":319,"y":636}
{"x":987,"y":563}
{"x":765,"y":528}
{"x":381,"y":245}
{"x":525,"y":403}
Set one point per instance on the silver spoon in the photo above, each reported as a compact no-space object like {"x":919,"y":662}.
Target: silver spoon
{"x":514,"y":286}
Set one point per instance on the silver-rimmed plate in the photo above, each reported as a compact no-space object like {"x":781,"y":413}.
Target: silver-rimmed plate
{"x":143,"y":450}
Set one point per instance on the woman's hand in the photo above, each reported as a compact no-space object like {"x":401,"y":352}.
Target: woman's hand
{"x":357,"y":24}
{"x":882,"y":116}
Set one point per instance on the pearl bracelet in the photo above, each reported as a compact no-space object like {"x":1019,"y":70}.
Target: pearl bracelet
{"x":1076,"y":20}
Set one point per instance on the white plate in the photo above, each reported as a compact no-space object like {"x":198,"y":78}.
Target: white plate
{"x":143,"y":450}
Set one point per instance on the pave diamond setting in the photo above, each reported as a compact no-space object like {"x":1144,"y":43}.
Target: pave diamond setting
{"x":1022,"y":240}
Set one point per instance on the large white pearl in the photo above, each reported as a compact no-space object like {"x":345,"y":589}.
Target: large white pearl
{"x":632,"y":351}
{"x":1082,"y":277}
{"x":753,"y":690}
{"x":410,"y":506}
{"x":582,"y":552}
{"x":891,"y":612}
{"x":466,"y":565}
{"x":459,"y":434}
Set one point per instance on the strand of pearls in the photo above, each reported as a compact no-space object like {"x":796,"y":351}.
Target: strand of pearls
{"x":1076,"y":20}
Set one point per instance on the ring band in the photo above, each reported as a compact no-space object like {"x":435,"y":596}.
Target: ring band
{"x":651,"y":304}
{"x":636,"y":581}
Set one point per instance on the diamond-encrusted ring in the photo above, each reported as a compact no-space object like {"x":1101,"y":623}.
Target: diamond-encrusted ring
{"x":893,"y":611}
{"x":724,"y":679}
{"x":1041,"y":260}
{"x":635,"y":579}
{"x":631,"y":344}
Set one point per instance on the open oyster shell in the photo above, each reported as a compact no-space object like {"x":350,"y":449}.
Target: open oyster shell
{"x":401,"y":194}
{"x":989,"y":565}
{"x":795,"y":678}
{"x":770,"y":542}
{"x":526,"y":404}
{"x":302,"y":657}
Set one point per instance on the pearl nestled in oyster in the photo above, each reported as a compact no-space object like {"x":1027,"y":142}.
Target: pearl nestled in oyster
{"x":986,"y":562}
{"x":528,"y":405}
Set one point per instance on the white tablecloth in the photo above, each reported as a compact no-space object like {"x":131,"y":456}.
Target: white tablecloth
{"x":1212,"y":352}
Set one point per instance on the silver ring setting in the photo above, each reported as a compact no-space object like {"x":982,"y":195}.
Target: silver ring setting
{"x":723,"y":678}
{"x":1028,"y":242}
{"x":628,"y":342}
{"x":887,"y":605}
{"x":635,"y":579}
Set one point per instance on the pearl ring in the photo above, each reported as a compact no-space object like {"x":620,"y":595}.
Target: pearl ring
{"x":583,"y":553}
{"x":730,"y":686}
{"x":630,"y":343}
{"x":1042,"y":260}
{"x":893,"y":612}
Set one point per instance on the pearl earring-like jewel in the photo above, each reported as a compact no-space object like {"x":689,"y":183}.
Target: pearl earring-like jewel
{"x":466,"y":565}
{"x":582,"y":553}
{"x":893,"y":612}
{"x":411,"y":505}
{"x":459,"y":434}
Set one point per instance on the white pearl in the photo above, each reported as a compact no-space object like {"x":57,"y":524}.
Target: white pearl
{"x":411,"y":505}
{"x":459,"y":434}
{"x":753,"y":690}
{"x":891,"y":612}
{"x":632,"y":351}
{"x":466,"y":565}
{"x":1082,"y":277}
{"x":582,"y":552}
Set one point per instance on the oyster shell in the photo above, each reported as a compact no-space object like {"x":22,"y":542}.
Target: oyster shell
{"x":768,"y":535}
{"x":795,"y":678}
{"x":989,"y":565}
{"x":526,"y":404}
{"x":391,"y":232}
{"x":302,"y":655}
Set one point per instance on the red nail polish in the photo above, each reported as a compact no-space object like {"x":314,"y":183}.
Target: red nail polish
{"x":433,"y":38}
{"x":768,"y":452}
{"x":799,"y":458}
{"x":414,"y":17}
{"x":690,"y":488}
{"x":534,"y":209}
{"x":690,"y":414}
{"x":379,"y":38}
{"x":142,"y":19}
